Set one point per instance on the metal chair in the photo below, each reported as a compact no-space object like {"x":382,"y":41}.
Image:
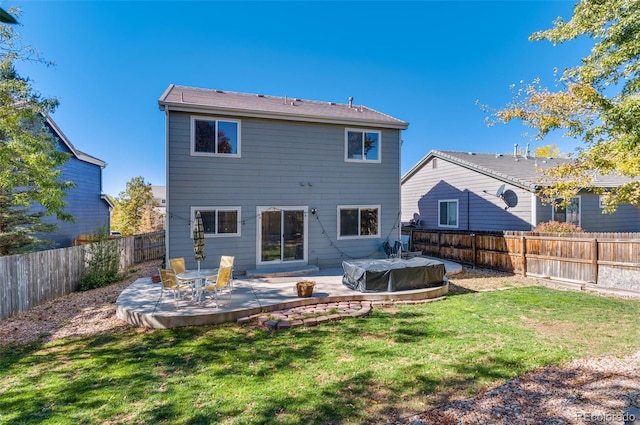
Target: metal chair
{"x":170,"y":283}
{"x":177,"y":265}
{"x":227,"y":261}
{"x":392,"y":251}
{"x":222,"y":281}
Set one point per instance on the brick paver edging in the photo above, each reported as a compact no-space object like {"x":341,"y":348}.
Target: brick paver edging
{"x":314,"y":314}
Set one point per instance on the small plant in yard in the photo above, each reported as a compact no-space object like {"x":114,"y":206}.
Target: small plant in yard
{"x":103,"y":262}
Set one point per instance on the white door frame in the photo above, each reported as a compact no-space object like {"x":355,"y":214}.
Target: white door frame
{"x":259,"y":211}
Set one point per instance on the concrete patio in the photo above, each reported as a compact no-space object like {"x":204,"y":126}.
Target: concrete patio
{"x":141,"y":303}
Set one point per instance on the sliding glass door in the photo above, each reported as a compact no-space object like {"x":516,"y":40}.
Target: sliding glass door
{"x":282,"y":236}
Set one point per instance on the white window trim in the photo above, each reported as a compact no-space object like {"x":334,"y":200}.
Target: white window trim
{"x":362,"y":130}
{"x":440,"y":201}
{"x":192,"y":136}
{"x":579,"y":198}
{"x":358,"y":207}
{"x":217,"y":208}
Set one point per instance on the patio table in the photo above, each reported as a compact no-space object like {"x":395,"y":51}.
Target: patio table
{"x":198,"y":277}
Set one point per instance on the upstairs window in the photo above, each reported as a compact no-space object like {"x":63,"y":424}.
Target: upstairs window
{"x":362,"y":145}
{"x":358,"y":222}
{"x":215,"y":137}
{"x":448,"y":213}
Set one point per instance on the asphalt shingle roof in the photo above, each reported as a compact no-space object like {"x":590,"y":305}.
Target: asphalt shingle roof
{"x":525,"y":172}
{"x":189,"y":98}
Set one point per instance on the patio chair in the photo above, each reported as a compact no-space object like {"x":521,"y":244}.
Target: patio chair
{"x":177,"y":265}
{"x":227,"y":261}
{"x":392,"y":251}
{"x":170,"y":283}
{"x":405,"y":240}
{"x":222,"y":281}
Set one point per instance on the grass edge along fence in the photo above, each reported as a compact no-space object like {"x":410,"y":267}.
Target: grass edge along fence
{"x":28,"y":280}
{"x":605,"y":259}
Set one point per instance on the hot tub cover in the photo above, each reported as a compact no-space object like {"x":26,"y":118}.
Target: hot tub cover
{"x":393,"y":274}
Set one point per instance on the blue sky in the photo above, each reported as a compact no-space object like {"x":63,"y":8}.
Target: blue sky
{"x":423,"y":62}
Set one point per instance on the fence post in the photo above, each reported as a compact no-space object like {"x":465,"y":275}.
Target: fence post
{"x":594,"y":259}
{"x":410,"y":246}
{"x":524,"y":255}
{"x":474,"y":262}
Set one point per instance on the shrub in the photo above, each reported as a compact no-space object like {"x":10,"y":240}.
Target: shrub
{"x":103,"y":263}
{"x":557,"y":227}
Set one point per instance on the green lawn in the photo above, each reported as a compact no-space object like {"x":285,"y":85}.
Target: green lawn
{"x":399,"y":360}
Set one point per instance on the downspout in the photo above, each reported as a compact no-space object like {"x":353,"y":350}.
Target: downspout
{"x":534,"y":211}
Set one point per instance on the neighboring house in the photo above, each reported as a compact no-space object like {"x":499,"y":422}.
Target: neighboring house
{"x":279,"y":181}
{"x":479,"y":191}
{"x":160,"y":199}
{"x":90,"y":208}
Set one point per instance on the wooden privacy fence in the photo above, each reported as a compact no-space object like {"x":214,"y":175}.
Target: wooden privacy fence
{"x":31,"y":279}
{"x":607,"y":259}
{"x":149,"y":246}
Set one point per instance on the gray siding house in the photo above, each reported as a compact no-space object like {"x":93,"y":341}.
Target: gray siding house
{"x":280,"y":182}
{"x":479,"y":191}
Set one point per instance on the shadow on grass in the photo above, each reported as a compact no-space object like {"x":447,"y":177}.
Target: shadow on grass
{"x":549,"y":386}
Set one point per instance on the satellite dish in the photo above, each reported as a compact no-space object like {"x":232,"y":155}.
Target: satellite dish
{"x":500,"y":191}
{"x":510,"y":199}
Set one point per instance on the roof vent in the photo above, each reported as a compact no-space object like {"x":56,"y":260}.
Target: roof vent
{"x":350,"y":101}
{"x":470,"y":153}
{"x":219,"y":91}
{"x":332,"y":103}
{"x":260,"y":95}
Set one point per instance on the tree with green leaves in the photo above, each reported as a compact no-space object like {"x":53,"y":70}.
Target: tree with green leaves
{"x":598,"y":102}
{"x":135,"y":212}
{"x":30,"y":162}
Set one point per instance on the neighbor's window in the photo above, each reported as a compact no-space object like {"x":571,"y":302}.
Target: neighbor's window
{"x":219,"y":221}
{"x":362,"y":145}
{"x":569,"y":214}
{"x":358,"y":222}
{"x":448,"y":213}
{"x":213,"y":137}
